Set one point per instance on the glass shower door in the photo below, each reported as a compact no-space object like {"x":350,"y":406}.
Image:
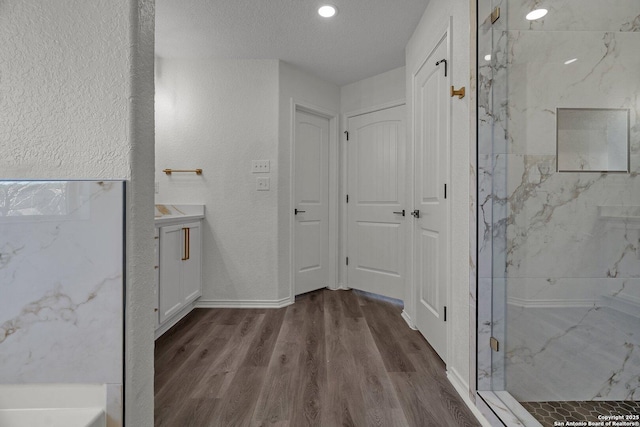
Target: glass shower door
{"x":559,"y":208}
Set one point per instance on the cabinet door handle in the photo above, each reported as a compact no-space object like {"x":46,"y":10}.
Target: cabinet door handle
{"x":187,"y":244}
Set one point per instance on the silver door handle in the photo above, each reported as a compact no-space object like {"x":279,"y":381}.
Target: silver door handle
{"x":416,"y":213}
{"x":400,"y":213}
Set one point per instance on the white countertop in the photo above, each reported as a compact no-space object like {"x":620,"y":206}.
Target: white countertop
{"x":165,"y":213}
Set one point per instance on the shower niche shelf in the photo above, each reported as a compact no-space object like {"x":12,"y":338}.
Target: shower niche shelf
{"x":592,"y":140}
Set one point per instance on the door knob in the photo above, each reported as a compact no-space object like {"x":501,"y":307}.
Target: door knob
{"x":416,"y":213}
{"x":400,"y":213}
{"x":296,"y":211}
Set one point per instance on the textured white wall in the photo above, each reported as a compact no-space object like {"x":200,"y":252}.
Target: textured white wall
{"x":219,"y":115}
{"x":373,"y":91}
{"x":140,"y":297}
{"x":304,"y":88}
{"x":64,"y":89}
{"x":76,"y":101}
{"x":423,"y":40}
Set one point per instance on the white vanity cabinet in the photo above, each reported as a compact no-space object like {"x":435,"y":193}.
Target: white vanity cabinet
{"x":156,"y":251}
{"x":178,"y":267}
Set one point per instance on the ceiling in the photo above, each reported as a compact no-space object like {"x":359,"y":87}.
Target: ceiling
{"x":365,"y":38}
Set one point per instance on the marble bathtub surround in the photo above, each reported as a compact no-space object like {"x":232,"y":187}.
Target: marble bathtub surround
{"x":53,"y":405}
{"x":558,"y":252}
{"x":52,"y":396}
{"x":61,"y":281}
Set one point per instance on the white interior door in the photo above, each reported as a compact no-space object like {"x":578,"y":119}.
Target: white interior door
{"x":311,"y":193}
{"x":377,"y":210}
{"x":431,"y":239}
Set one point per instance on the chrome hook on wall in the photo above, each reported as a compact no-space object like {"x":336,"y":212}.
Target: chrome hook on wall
{"x":445,"y":65}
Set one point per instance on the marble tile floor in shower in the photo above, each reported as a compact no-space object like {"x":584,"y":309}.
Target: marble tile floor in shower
{"x":548,"y":413}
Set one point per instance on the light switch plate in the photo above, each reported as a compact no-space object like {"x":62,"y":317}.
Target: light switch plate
{"x":262,"y":184}
{"x":260,"y":166}
{"x":157,"y":187}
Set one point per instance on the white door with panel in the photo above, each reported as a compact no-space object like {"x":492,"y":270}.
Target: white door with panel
{"x":377,"y":211}
{"x":192,"y":265}
{"x":431,"y":238}
{"x":311,"y":201}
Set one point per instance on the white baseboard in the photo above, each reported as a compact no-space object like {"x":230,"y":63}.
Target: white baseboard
{"x":462,"y":388}
{"x":407,"y":319}
{"x":243,"y":303}
{"x":552,"y":303}
{"x":220,"y":304}
{"x":175,"y":319}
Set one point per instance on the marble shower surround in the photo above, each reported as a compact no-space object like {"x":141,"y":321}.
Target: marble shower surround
{"x":545,"y":239}
{"x":61,"y":281}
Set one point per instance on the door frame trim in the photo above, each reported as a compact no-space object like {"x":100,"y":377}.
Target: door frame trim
{"x":332,"y":276}
{"x":409,"y":312}
{"x":344,"y":160}
{"x":374,"y":108}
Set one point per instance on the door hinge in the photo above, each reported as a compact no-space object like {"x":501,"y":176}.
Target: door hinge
{"x":494,"y":343}
{"x":347,"y":260}
{"x":495,"y":15}
{"x":347,"y":198}
{"x":346,"y":132}
{"x":445,"y":191}
{"x":445,"y":313}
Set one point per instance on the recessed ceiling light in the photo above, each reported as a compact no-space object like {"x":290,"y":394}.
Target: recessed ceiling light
{"x":536,"y":14}
{"x":487,"y":57}
{"x":327,"y":11}
{"x":570,"y":61}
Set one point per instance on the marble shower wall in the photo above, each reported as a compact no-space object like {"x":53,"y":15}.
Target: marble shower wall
{"x":552,"y":239}
{"x":61,"y":284}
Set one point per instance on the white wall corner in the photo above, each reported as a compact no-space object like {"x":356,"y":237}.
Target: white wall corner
{"x":343,"y":287}
{"x":139,"y":320}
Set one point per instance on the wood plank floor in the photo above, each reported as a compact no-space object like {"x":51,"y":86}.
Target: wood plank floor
{"x":334,"y":358}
